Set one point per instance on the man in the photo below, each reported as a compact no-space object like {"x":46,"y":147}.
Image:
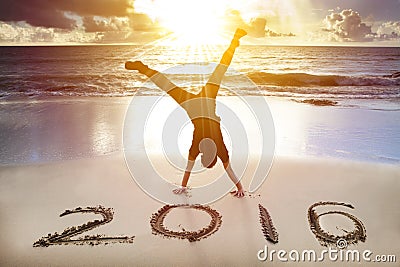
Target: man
{"x":207,"y":135}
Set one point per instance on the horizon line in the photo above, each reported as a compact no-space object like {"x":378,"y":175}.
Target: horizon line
{"x":374,"y":45}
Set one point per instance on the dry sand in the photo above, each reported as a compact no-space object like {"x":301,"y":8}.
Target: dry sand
{"x":32,"y":197}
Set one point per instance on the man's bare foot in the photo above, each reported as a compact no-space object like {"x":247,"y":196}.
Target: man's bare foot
{"x":239,"y":34}
{"x":238,"y":193}
{"x":136,"y":65}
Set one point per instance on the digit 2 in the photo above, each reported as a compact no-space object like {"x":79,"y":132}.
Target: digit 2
{"x":68,"y":233}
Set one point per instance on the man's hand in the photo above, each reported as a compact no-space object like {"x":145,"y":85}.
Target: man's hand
{"x":238,"y":193}
{"x":180,"y":190}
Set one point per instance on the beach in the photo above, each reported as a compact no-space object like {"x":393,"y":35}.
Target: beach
{"x":62,"y":153}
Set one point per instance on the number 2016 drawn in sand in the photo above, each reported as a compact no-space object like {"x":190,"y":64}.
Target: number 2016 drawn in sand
{"x":158,"y":228}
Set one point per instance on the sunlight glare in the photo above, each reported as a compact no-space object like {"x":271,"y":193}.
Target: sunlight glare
{"x":199,"y":22}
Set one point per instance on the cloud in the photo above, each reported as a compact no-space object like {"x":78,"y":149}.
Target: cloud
{"x":22,"y":32}
{"x":102,"y":24}
{"x":255,"y":28}
{"x":120,"y":29}
{"x":389,"y":30}
{"x":348,"y":26}
{"x":100,"y":21}
{"x":142,"y":22}
{"x":73,"y":21}
{"x":52,"y":14}
{"x":271,"y":33}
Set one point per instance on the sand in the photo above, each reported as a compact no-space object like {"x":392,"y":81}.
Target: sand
{"x":32,"y":197}
{"x":34,"y":193}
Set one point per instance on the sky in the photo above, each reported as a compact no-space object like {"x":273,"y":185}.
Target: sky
{"x":270,"y":22}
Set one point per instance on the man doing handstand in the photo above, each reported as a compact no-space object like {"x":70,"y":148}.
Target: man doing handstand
{"x":207,"y":135}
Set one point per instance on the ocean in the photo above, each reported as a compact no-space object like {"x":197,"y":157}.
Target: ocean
{"x":299,"y":73}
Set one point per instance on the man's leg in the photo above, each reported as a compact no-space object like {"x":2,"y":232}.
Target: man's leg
{"x":160,"y":80}
{"x":228,"y":54}
{"x":214,"y":82}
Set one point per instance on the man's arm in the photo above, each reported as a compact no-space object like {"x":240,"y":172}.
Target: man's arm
{"x":185,"y":178}
{"x":240,"y":192}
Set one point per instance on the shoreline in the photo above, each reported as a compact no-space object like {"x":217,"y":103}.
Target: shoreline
{"x":63,"y":128}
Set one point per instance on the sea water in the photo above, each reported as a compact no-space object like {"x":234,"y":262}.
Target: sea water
{"x":338,"y":73}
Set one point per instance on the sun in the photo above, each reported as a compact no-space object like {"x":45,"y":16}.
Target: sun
{"x":199,"y":22}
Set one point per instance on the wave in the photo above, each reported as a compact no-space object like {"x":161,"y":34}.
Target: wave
{"x":294,"y":85}
{"x":338,"y":92}
{"x":307,"y":80}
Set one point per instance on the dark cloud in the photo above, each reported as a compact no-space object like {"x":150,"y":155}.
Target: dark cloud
{"x":256,"y":27}
{"x":348,"y":26}
{"x":105,"y":8}
{"x":132,"y":28}
{"x":106,"y":20}
{"x":142,"y":23}
{"x":271,"y":33}
{"x":121,"y":29}
{"x":101,"y":24}
{"x":34,"y":13}
{"x":46,"y":13}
